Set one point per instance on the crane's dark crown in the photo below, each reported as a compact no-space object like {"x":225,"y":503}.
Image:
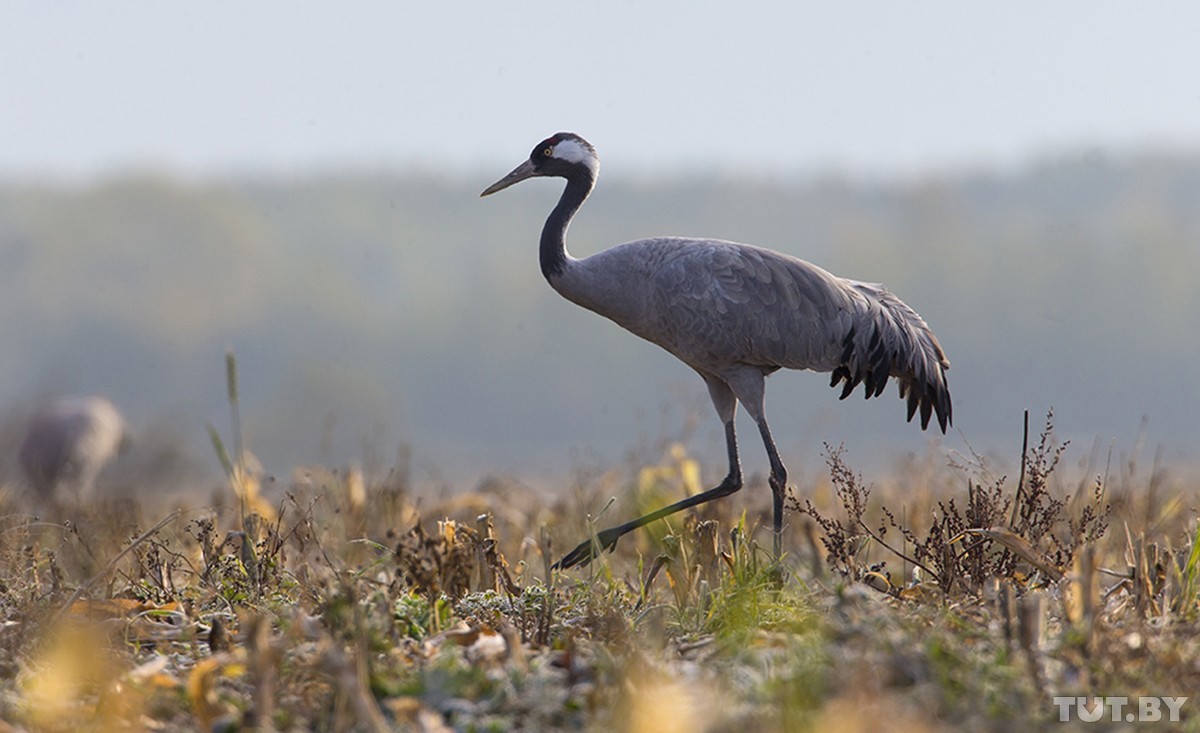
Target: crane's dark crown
{"x":566,"y":147}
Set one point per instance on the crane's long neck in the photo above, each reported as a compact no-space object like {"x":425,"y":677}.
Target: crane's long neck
{"x":553,"y":250}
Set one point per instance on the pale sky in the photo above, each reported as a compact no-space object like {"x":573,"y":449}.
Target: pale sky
{"x":877,"y":88}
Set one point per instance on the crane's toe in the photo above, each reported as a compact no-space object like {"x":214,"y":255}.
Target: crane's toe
{"x":589,"y":549}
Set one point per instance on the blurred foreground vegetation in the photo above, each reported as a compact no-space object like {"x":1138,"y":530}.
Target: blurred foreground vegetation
{"x":947,"y":598}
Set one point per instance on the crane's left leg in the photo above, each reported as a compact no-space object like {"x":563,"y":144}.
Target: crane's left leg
{"x":726,"y":403}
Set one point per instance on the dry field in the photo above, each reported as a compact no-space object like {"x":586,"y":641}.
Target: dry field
{"x":947,"y":598}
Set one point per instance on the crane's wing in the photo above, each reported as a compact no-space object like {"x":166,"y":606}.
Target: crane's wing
{"x":894,"y":340}
{"x":718,"y":303}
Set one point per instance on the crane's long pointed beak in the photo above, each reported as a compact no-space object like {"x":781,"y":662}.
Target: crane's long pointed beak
{"x":520,"y":173}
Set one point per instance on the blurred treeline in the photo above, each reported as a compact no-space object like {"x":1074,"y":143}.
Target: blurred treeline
{"x":375,"y":310}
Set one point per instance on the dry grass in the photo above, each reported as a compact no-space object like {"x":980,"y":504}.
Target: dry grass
{"x":943,"y":600}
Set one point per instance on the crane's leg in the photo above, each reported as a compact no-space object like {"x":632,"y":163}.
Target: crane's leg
{"x":726,"y":403}
{"x":750,"y":387}
{"x":778,"y":483}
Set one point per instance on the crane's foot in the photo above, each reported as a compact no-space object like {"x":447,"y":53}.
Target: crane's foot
{"x":605,"y":541}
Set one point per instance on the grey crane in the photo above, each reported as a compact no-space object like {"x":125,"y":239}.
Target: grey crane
{"x":68,"y":442}
{"x":734,"y":313}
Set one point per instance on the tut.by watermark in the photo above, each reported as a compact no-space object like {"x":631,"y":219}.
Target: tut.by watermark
{"x":1119,"y":709}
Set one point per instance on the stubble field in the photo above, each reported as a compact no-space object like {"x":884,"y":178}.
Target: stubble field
{"x":943,"y":597}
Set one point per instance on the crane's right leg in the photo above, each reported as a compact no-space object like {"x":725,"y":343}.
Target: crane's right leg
{"x":726,"y":403}
{"x":749,"y":386}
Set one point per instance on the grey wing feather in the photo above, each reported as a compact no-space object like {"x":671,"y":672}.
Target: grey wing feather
{"x":719,"y":303}
{"x":892,"y":340}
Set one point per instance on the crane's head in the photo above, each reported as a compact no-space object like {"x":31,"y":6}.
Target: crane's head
{"x":564,"y":154}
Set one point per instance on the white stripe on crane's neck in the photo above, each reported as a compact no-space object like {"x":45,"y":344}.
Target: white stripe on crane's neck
{"x":573,"y":151}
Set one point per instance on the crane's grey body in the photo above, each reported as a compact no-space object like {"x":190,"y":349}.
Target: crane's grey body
{"x":67,"y":444}
{"x":718,"y":305}
{"x":735,"y":313}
